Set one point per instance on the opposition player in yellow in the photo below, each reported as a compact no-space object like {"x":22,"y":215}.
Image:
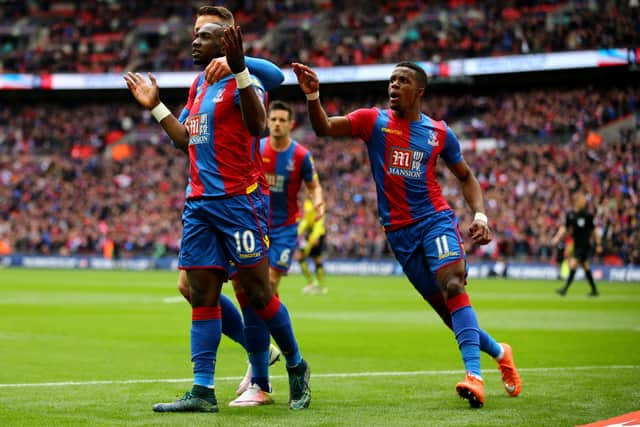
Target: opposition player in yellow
{"x":311,"y":234}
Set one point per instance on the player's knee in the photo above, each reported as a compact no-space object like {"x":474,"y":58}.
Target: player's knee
{"x":453,"y":284}
{"x":454,"y":287}
{"x":183,"y":286}
{"x":452,"y":279}
{"x":259,"y":298}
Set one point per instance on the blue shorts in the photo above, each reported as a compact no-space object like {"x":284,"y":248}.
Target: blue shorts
{"x":218,"y":231}
{"x":283,"y":242}
{"x":427,"y":246}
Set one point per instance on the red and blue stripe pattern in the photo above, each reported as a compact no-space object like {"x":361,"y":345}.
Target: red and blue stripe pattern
{"x":403,"y":158}
{"x":221,"y":150}
{"x":285,"y":171}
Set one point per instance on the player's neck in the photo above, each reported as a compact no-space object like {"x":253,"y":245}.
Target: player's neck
{"x":281,"y":143}
{"x":408,"y":115}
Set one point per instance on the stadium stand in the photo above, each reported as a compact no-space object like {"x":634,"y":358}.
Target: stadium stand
{"x":68,"y":188}
{"x":111,"y":36}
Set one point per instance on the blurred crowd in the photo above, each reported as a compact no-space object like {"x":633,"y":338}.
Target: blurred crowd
{"x":111,"y":36}
{"x":64,"y":191}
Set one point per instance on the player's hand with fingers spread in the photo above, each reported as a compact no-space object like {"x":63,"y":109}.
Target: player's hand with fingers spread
{"x":307,"y":78}
{"x":147,"y":94}
{"x":216,"y":70}
{"x":232,"y":42}
{"x":480,"y":232}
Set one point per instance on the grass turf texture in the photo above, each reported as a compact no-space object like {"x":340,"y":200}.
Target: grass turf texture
{"x":122,"y":336}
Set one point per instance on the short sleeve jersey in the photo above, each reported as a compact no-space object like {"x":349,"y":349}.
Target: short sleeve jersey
{"x":222,"y":153}
{"x":285,"y":171}
{"x":403,"y":158}
{"x":581,"y":226}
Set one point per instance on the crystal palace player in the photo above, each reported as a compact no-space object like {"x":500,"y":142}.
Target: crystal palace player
{"x":403,"y":146}
{"x":287,"y":165}
{"x":224,"y":216}
{"x":252,"y":334}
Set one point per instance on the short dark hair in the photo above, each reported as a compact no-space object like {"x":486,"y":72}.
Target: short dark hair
{"x":423,"y":80}
{"x":219,"y":11}
{"x":281,"y":105}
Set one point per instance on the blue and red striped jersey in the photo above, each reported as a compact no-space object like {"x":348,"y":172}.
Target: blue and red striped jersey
{"x":403,"y":159}
{"x":223,"y":156}
{"x":285,"y":171}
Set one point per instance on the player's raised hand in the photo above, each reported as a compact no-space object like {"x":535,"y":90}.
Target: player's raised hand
{"x":216,"y":70}
{"x":307,"y":78}
{"x":480,"y":232}
{"x":147,"y":94}
{"x":232,"y":42}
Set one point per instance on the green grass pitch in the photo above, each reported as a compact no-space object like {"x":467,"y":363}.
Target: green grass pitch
{"x":99,"y":348}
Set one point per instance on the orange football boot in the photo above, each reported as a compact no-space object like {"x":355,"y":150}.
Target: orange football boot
{"x":510,"y":376}
{"x":472,"y":389}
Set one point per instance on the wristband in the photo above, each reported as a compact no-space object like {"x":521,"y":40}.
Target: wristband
{"x":160,"y":111}
{"x":313,"y":95}
{"x":480,"y":217}
{"x":243,"y":79}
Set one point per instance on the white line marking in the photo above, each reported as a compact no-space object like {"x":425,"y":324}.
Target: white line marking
{"x":329,"y":375}
{"x":173,"y":300}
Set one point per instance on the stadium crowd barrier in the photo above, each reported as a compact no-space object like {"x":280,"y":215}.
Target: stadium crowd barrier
{"x":510,"y":270}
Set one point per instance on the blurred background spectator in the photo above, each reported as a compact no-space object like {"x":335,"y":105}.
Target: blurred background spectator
{"x":66,"y":190}
{"x":111,"y":36}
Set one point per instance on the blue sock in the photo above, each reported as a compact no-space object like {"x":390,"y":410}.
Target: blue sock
{"x":276,"y":316}
{"x":466,"y":329}
{"x":257,"y":344}
{"x":232,"y":324}
{"x":489,"y":345}
{"x":205,"y":337}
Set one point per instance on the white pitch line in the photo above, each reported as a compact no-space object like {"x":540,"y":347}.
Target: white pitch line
{"x":173,"y":300}
{"x":328,"y":375}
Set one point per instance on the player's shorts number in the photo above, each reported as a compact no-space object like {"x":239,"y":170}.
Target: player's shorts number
{"x":442,"y":245}
{"x":247,"y":243}
{"x":284,"y":256}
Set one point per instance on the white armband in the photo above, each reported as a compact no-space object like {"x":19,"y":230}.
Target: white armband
{"x":243,"y":79}
{"x":313,"y":95}
{"x":481,"y":217}
{"x":160,"y":111}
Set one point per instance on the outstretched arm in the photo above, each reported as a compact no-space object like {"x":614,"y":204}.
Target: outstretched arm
{"x":479,"y":229}
{"x":321,"y":123}
{"x":254,"y":115}
{"x":269,"y":74}
{"x":148,"y":95}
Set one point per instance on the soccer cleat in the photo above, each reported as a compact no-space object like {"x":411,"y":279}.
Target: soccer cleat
{"x":188,"y":403}
{"x":510,"y":376}
{"x":472,"y":389}
{"x":309,"y":289}
{"x":299,"y":391}
{"x":253,"y":396}
{"x":561,"y":292}
{"x":593,"y":294}
{"x":314,"y":289}
{"x":274,"y":356}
